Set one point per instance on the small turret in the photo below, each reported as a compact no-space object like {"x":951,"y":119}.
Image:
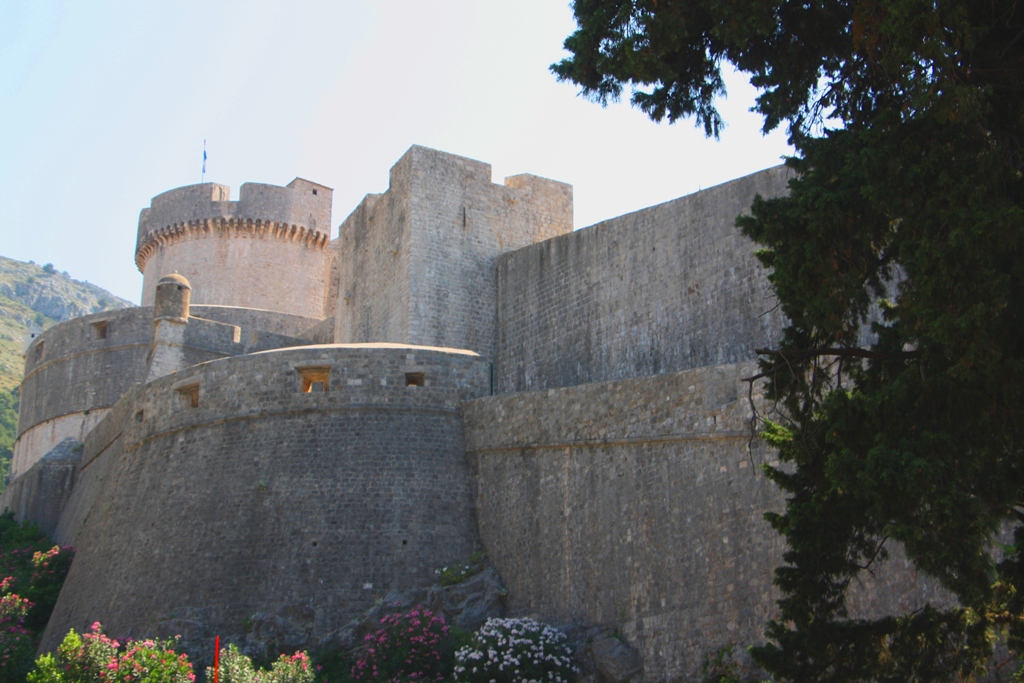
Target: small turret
{"x":173,"y":295}
{"x":170,"y":318}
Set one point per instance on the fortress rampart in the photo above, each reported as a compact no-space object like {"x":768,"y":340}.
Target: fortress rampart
{"x":667,"y":288}
{"x":587,"y":423}
{"x":270,"y":236}
{"x":74,"y":372}
{"x":420,"y":258}
{"x":637,"y":502}
{"x":269,"y":494}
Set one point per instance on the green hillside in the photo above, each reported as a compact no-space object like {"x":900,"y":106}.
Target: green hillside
{"x":40,"y":296}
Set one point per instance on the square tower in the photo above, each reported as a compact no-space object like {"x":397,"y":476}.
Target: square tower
{"x":417,"y":263}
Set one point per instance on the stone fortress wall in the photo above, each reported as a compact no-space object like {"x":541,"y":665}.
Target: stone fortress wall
{"x":419,"y":265}
{"x":667,"y":288}
{"x":263,"y":489}
{"x":74,"y":372}
{"x":587,"y":425}
{"x":639,"y":503}
{"x":266,"y":250}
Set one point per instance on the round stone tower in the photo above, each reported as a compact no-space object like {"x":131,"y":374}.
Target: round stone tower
{"x":268,"y":250}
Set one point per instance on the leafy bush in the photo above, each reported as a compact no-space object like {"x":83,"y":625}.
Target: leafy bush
{"x":17,"y":644}
{"x":333,"y":666}
{"x":407,"y":647}
{"x":49,"y":569}
{"x":294,"y":669}
{"x":236,"y":667}
{"x":80,"y":659}
{"x":515,"y":651}
{"x":32,"y":571}
{"x":149,"y":661}
{"x":95,"y":658}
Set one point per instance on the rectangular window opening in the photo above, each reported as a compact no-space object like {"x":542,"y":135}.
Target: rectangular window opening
{"x":415,"y":379}
{"x":312,"y":380}
{"x":99,"y":330}
{"x":39,"y":351}
{"x":188,"y":397}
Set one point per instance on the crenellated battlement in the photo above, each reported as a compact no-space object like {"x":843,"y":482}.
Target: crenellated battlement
{"x":268,"y":249}
{"x":300,"y":211}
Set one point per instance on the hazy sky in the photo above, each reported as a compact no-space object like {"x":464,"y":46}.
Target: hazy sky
{"x":104,"y":104}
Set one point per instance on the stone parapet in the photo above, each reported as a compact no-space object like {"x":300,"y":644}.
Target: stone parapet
{"x":300,"y":211}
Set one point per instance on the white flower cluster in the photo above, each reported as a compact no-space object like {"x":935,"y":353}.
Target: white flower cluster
{"x":515,"y":651}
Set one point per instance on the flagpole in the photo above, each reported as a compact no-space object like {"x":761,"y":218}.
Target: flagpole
{"x":202,"y":177}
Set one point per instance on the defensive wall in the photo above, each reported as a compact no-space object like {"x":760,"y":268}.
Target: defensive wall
{"x":418,"y":262}
{"x":667,"y":288}
{"x":271,"y":488}
{"x":42,"y":492}
{"x":266,"y":250}
{"x":639,"y":503}
{"x":75,"y":371}
{"x":613,"y":480}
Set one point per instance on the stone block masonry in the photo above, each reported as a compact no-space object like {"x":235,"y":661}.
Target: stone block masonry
{"x":612,"y":478}
{"x":417,"y":263}
{"x":74,"y":372}
{"x":266,"y":250}
{"x":637,"y":504}
{"x":663,"y":289}
{"x":260,"y":494}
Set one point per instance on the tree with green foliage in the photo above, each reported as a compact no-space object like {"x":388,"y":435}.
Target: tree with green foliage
{"x":898,"y":258}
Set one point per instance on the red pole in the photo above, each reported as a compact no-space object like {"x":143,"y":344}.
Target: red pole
{"x":216,"y":657}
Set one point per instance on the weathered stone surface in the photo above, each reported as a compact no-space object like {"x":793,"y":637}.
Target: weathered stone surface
{"x":267,"y":250}
{"x":291,"y":627}
{"x":663,"y":289}
{"x":636,"y":504}
{"x":225,"y":499}
{"x":418,"y":262}
{"x":615,"y":660}
{"x":265,"y":495}
{"x":41,"y":493}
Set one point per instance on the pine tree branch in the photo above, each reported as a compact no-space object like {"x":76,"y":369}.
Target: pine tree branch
{"x":841,"y":352}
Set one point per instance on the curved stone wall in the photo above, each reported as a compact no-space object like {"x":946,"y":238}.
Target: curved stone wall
{"x":244,"y":268}
{"x":264,"y":495}
{"x":39,"y":440}
{"x":84,"y":364}
{"x":76,"y":370}
{"x":267,"y":250}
